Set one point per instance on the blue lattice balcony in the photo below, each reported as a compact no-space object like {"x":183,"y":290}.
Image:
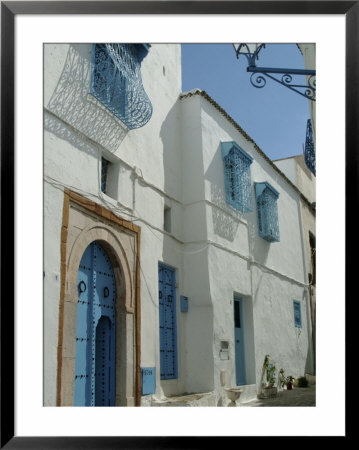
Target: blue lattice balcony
{"x":267,"y":211}
{"x":237,"y":176}
{"x":116,"y":82}
{"x":309,"y":151}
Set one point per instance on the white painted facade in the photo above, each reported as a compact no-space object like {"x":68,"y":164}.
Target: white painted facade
{"x":297,"y":171}
{"x":174,"y":161}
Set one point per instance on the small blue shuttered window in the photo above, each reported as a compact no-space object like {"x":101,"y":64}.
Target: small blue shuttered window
{"x":297,"y":314}
{"x":117,"y":83}
{"x":237,"y":176}
{"x":267,"y":211}
{"x":168,"y":332}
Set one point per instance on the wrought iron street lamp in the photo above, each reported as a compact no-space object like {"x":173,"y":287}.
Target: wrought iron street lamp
{"x":258,"y":80}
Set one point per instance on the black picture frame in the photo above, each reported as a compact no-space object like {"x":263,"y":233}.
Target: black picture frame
{"x":9,"y":9}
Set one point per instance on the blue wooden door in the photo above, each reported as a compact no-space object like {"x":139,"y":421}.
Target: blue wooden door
{"x":168,"y":333}
{"x":95,"y":330}
{"x":239,"y":342}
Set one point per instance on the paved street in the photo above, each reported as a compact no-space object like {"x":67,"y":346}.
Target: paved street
{"x":295,"y":397}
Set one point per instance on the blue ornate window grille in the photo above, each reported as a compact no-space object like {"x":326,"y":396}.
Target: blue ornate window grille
{"x":309,"y":151}
{"x":116,"y":82}
{"x":297,"y":314}
{"x":267,"y":211}
{"x":237,"y":176}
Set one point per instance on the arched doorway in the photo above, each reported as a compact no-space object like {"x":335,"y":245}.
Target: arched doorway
{"x":95,"y":330}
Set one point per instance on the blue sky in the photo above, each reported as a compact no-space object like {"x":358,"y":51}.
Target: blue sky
{"x":274,"y":116}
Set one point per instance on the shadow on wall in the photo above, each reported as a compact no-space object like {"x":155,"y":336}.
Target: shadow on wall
{"x":195,"y":365}
{"x":225,"y":223}
{"x":72,"y":103}
{"x":224,"y":219}
{"x":59,"y":129}
{"x":258,"y":247}
{"x":310,"y":360}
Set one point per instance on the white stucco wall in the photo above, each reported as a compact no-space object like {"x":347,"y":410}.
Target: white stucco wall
{"x":53,"y":200}
{"x":268,"y":276}
{"x":287,"y":166}
{"x":77,"y":132}
{"x":297,"y":172}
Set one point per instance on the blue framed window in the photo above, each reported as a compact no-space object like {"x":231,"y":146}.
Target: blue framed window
{"x":309,"y":151}
{"x":116,"y":82}
{"x":267,"y":211}
{"x":297,"y":314}
{"x":168,"y":331}
{"x":237,"y":176}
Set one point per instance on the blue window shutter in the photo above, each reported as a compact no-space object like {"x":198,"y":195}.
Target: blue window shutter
{"x":116,"y":82}
{"x":297,"y":314}
{"x":167,"y":317}
{"x":237,"y":176}
{"x":267,"y":211}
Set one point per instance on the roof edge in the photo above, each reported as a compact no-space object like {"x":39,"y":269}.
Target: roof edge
{"x":204,"y":94}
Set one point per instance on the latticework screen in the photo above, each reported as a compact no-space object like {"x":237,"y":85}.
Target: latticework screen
{"x":116,"y":82}
{"x":267,"y":212}
{"x":238,"y":179}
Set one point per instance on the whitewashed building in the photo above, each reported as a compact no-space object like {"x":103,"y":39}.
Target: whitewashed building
{"x":301,"y":176}
{"x":174,"y":258}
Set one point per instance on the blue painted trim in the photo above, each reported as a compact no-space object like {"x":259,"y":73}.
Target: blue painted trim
{"x":259,"y":187}
{"x":227,"y":146}
{"x":142,"y":51}
{"x":240,"y":362}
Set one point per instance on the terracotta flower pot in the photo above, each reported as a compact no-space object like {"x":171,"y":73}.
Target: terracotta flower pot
{"x":289,"y":386}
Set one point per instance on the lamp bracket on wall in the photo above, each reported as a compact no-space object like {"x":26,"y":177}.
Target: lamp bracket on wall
{"x":283,"y":76}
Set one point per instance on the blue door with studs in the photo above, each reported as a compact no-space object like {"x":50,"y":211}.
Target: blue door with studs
{"x":168,"y":332}
{"x":239,"y":342}
{"x":94,"y":383}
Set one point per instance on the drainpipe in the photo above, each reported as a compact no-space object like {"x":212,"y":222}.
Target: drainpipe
{"x":310,"y":278}
{"x":138,"y":324}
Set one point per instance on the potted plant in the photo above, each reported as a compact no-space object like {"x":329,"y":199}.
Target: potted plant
{"x":268,"y":388}
{"x":281,"y":379}
{"x":289,"y":382}
{"x":302,"y":382}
